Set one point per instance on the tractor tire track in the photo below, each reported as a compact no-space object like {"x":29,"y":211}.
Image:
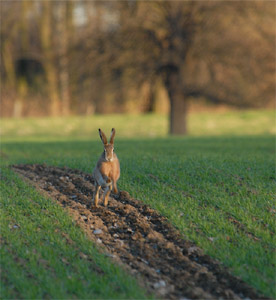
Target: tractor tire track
{"x":139,"y":238}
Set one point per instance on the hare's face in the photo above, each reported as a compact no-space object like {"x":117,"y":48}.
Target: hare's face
{"x":108,"y":152}
{"x":108,"y":147}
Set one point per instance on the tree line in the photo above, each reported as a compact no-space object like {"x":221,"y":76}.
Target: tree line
{"x":65,"y":57}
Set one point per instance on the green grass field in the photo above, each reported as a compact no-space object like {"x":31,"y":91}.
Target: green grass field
{"x":217,"y":185}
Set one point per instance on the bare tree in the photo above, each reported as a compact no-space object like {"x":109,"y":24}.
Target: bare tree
{"x":200,"y":49}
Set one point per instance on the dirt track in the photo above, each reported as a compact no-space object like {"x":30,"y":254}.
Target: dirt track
{"x":140,"y":238}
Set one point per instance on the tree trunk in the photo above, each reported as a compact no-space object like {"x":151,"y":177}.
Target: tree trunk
{"x":49,"y":62}
{"x":178,"y":115}
{"x":11,"y":78}
{"x":64,"y":26}
{"x":178,"y":104}
{"x":8,"y":64}
{"x":148,"y":94}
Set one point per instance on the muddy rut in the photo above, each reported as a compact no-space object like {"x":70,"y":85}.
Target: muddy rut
{"x":140,"y":238}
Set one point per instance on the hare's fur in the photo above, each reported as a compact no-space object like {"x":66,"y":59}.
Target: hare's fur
{"x":107,"y":170}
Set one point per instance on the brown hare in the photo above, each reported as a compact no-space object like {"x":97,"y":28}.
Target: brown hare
{"x":107,"y":170}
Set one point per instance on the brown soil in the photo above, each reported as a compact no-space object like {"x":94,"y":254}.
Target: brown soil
{"x":140,"y":238}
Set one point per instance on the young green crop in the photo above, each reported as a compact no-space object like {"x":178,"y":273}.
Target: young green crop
{"x":218,"y":190}
{"x":45,"y":255}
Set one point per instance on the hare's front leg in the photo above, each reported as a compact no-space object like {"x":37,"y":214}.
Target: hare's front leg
{"x":106,"y":194}
{"x":96,"y":197}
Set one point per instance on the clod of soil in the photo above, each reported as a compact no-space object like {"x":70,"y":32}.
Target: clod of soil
{"x":138,"y":237}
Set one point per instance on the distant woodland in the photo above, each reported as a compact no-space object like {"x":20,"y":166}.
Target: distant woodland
{"x":85,"y":57}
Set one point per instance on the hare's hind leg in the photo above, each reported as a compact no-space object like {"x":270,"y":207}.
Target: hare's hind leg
{"x":115,"y":189}
{"x":96,"y":197}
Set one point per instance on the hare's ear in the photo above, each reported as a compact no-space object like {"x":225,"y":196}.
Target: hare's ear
{"x":112,"y":135}
{"x":103,"y":137}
